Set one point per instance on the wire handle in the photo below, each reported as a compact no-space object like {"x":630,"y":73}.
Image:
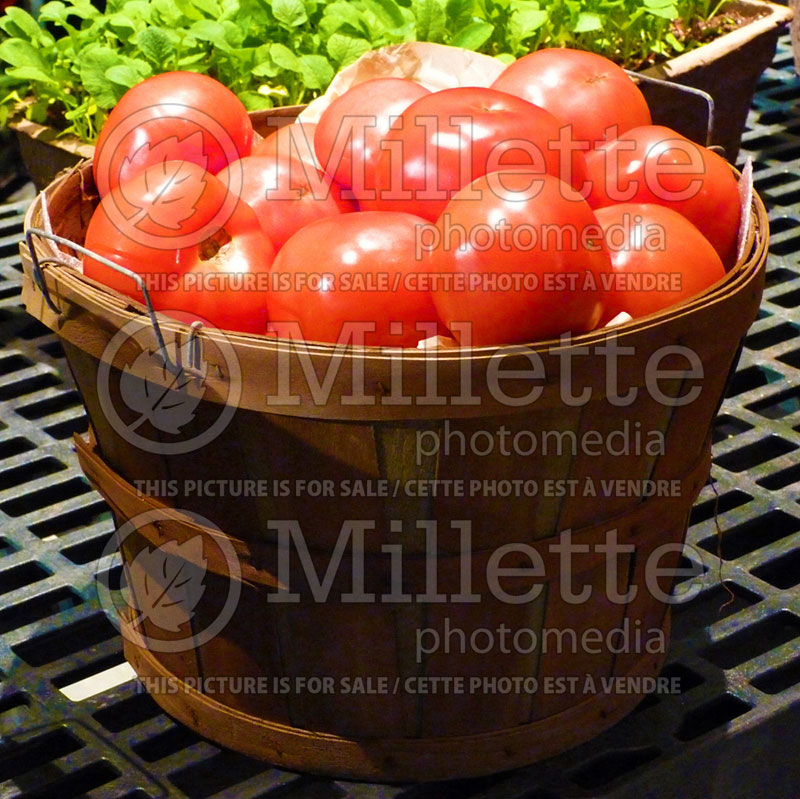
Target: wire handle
{"x":194,"y":343}
{"x":679,"y":87}
{"x":195,"y":347}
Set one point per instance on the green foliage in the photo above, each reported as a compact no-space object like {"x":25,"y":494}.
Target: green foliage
{"x":630,"y":32}
{"x":77,"y":62}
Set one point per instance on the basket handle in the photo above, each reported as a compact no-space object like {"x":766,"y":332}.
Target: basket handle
{"x":679,"y":87}
{"x":194,"y":342}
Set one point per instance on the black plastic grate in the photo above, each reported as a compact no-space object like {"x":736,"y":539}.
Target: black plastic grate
{"x":735,"y":649}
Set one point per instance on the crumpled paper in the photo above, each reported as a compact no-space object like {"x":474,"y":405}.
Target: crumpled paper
{"x":435,"y":66}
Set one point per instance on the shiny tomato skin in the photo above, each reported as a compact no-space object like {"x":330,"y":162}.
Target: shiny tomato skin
{"x":562,"y":288}
{"x":653,"y":243}
{"x":285,"y":193}
{"x":364,"y":113}
{"x":359,"y":268}
{"x":290,"y":141}
{"x":442,"y":142}
{"x":654,"y":164}
{"x":583,"y":89}
{"x":171,"y":116}
{"x":230,"y":289}
{"x":171,"y":224}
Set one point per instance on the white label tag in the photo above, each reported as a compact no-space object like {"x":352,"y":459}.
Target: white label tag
{"x":746,"y":200}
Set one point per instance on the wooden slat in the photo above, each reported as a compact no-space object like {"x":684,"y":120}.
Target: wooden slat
{"x":131,"y":462}
{"x":324,"y":453}
{"x":480,"y":455}
{"x":690,"y":424}
{"x":405,"y":468}
{"x":312,"y":645}
{"x":482,"y":652}
{"x":248,"y":647}
{"x":631,"y":441}
{"x":180,"y":658}
{"x":646,"y":612}
{"x":569,"y":653}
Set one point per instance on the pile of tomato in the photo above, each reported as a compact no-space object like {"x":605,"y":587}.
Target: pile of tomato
{"x":544,"y":204}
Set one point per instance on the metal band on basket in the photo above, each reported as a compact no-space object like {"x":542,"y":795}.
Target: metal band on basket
{"x":195,"y":347}
{"x":679,"y":87}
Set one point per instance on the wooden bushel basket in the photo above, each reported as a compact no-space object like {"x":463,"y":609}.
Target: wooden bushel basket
{"x":406,"y":733}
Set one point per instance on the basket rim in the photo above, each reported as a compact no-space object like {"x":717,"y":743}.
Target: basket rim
{"x":736,"y":279}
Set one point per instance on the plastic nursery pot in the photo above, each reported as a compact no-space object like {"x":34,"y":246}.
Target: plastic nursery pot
{"x":728,"y":69}
{"x":45,"y":154}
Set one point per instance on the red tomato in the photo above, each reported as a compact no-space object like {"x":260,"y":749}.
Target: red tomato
{"x":523,"y":264}
{"x":445,"y":140}
{"x":659,"y":258}
{"x":290,"y":141}
{"x":583,"y":89}
{"x":179,"y":116}
{"x":654,"y":164}
{"x":198,"y":248}
{"x":359,"y":268}
{"x":348,"y":137}
{"x":286,"y":194}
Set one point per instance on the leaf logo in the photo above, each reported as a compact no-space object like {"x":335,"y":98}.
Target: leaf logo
{"x":167,"y":583}
{"x":175,"y":198}
{"x":162,"y":587}
{"x":169,"y":397}
{"x":189,"y":148}
{"x":167,"y":405}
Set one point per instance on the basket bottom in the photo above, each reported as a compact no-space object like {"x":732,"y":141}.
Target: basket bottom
{"x":392,"y":759}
